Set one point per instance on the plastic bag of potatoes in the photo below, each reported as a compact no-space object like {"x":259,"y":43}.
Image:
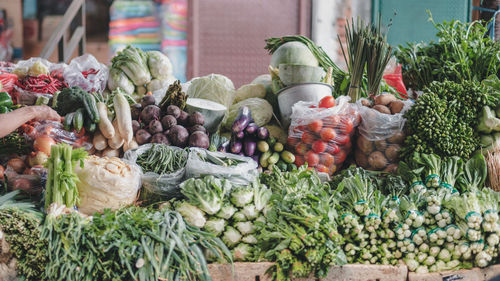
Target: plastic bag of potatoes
{"x":380,"y":133}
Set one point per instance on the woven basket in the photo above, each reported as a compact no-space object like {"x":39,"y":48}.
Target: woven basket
{"x":493,"y":163}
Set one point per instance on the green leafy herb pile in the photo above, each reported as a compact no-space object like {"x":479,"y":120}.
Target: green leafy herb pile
{"x":300,"y":233}
{"x":21,"y":224}
{"x":444,"y":118}
{"x":129,"y":244}
{"x":462,"y":53}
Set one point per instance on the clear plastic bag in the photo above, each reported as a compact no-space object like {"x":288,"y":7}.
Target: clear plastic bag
{"x":87,"y":73}
{"x":202,"y":162}
{"x":379,"y":138}
{"x":56,"y":131}
{"x":155,"y":186}
{"x":322,"y":136}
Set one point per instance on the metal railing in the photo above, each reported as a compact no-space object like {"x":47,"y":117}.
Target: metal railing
{"x":59,"y":39}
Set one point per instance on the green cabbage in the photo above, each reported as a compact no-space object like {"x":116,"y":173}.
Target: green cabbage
{"x":214,"y":87}
{"x":293,"y":53}
{"x":242,"y":252}
{"x":261,"y":110}
{"x":250,"y":91}
{"x":159,"y":65}
{"x":118,"y":79}
{"x":215,"y":226}
{"x":133,"y":62}
{"x":191,"y":214}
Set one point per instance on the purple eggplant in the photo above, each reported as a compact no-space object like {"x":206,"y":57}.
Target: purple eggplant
{"x":240,"y":135}
{"x":251,"y":128}
{"x":249,"y":146}
{"x":262,"y":133}
{"x":236,"y":147}
{"x":242,"y":120}
{"x":241,"y":154}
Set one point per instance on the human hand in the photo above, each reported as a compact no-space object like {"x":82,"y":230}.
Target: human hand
{"x":43,"y":112}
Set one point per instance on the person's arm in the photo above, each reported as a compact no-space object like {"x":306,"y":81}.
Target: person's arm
{"x":9,"y":122}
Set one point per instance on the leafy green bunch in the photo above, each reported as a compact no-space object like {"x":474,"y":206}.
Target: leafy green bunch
{"x":462,"y":52}
{"x":300,"y":233}
{"x":444,"y":118}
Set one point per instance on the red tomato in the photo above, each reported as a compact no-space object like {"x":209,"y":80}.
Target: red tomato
{"x":327,"y":102}
{"x":319,"y":146}
{"x":340,"y":157}
{"x":299,"y":160}
{"x":326,"y":159}
{"x":308,"y":137}
{"x":332,"y":121}
{"x":312,"y":158}
{"x":315,"y":126}
{"x":346,"y":125}
{"x":322,"y":169}
{"x":332,"y":148}
{"x":342,"y":139}
{"x":301,"y":148}
{"x":327,"y":134}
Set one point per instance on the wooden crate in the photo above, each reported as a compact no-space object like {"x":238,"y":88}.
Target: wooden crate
{"x":474,"y":274}
{"x":363,"y":272}
{"x":240,"y":271}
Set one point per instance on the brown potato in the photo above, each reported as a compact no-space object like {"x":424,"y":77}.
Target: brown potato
{"x":396,"y":106}
{"x":364,"y":145}
{"x":377,"y":160}
{"x":361,"y":159}
{"x":391,"y":168}
{"x":382,"y":109}
{"x":392,"y":152}
{"x":381,"y":145}
{"x":398,"y":138}
{"x":384,"y":99}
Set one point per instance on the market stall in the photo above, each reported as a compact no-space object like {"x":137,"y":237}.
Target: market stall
{"x":308,"y":172}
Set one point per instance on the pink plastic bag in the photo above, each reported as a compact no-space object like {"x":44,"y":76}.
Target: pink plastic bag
{"x":87,"y":73}
{"x":394,"y":79}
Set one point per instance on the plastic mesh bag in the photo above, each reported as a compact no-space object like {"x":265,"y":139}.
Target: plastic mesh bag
{"x":87,"y":73}
{"x":379,"y":138}
{"x":202,"y":162}
{"x":322,"y":136}
{"x":157,"y":186}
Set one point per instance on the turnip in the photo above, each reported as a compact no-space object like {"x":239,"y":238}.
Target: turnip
{"x":135,"y":111}
{"x":178,"y":135}
{"x":135,"y":126}
{"x":199,"y":139}
{"x":168,"y":121}
{"x":147,"y":100}
{"x":196,"y":118}
{"x":155,"y":127}
{"x":174,"y":111}
{"x":142,"y":136}
{"x":183,"y":118}
{"x":160,"y":138}
{"x":149,"y":113}
{"x":197,"y":128}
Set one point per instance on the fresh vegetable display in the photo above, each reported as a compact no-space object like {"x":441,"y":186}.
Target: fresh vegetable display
{"x":151,"y":178}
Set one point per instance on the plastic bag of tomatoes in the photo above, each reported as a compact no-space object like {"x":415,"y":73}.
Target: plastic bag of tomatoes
{"x":320,"y":133}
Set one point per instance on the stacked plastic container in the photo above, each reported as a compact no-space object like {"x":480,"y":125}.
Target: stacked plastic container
{"x":134,"y":23}
{"x":173,"y":17}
